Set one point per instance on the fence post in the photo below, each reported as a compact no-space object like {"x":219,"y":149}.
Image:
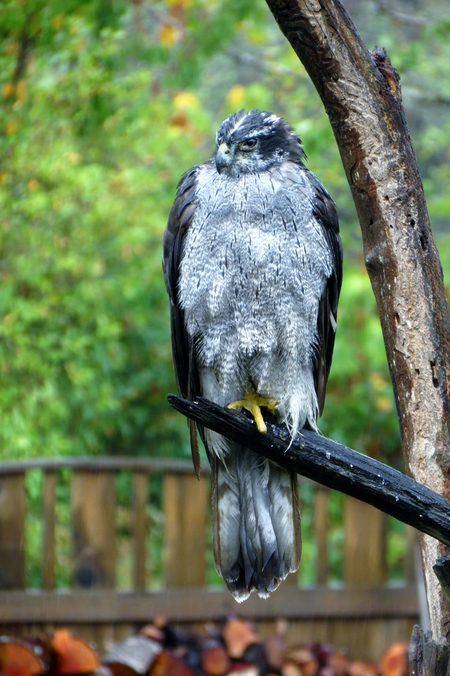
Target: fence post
{"x":94,"y":524}
{"x":12,"y":531}
{"x":48,"y":537}
{"x":321,"y":532}
{"x":365,"y":529}
{"x":140,"y":484}
{"x":185,"y":507}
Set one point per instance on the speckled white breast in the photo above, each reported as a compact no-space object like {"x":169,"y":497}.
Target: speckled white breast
{"x":254,"y":267}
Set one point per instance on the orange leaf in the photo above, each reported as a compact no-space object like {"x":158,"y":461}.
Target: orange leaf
{"x":17,"y":658}
{"x":74,"y":655}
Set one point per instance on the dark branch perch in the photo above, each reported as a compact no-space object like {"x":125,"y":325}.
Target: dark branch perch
{"x":331,"y":464}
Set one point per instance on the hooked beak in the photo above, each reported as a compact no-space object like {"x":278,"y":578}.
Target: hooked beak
{"x":224,"y":157}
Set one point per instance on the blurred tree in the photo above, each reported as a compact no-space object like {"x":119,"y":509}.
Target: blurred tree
{"x":104,"y":105}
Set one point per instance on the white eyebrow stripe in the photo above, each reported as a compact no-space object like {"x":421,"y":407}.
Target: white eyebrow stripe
{"x":272,"y":118}
{"x":261,"y":132}
{"x":238,"y":124}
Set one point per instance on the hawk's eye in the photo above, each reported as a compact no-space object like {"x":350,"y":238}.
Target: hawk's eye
{"x":248,"y":144}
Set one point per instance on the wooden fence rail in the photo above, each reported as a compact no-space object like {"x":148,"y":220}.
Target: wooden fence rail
{"x":102,"y":523}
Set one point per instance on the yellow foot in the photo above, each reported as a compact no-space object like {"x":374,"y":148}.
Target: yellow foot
{"x":253,"y":402}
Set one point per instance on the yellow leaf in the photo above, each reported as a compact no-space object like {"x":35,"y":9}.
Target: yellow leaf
{"x":57,"y":21}
{"x":21,"y":90}
{"x":74,"y":158}
{"x":384,"y":404}
{"x":185,"y":100}
{"x":12,"y":48}
{"x":377,"y":381}
{"x":7,"y":89}
{"x":257,"y":36}
{"x":33,"y":184}
{"x":10,"y":127}
{"x":168,"y":35}
{"x":236,"y":95}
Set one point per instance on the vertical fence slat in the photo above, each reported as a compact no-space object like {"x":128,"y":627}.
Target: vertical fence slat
{"x":365,"y":530}
{"x":12,"y":531}
{"x":140,"y":483}
{"x":48,"y":536}
{"x":184,"y":504}
{"x":321,"y":533}
{"x":94,"y":528}
{"x":194,"y":531}
{"x":173,"y":530}
{"x":365,"y":535}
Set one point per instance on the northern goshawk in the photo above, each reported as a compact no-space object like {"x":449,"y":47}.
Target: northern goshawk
{"x":253,"y":267}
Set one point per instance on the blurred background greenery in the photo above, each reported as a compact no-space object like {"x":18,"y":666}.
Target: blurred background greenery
{"x":104,"y":104}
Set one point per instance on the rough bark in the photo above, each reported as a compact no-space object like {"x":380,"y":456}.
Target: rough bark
{"x":428,"y":657}
{"x":361,"y":94}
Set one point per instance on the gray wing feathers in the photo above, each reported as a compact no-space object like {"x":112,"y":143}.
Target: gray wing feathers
{"x":186,"y":374}
{"x":324,"y":211}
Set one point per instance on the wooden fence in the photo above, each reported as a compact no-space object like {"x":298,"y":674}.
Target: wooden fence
{"x":81,"y":542}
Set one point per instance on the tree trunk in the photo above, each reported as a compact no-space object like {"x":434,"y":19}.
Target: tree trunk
{"x":361,"y":94}
{"x":428,"y":657}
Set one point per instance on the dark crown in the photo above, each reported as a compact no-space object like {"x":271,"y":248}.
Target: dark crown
{"x":276,"y":132}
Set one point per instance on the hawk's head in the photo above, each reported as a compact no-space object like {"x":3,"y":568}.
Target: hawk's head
{"x":255,"y":141}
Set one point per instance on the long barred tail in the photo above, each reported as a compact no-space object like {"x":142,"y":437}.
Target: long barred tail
{"x":256,"y":522}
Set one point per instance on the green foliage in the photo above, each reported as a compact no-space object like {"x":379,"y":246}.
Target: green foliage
{"x":104,"y":105}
